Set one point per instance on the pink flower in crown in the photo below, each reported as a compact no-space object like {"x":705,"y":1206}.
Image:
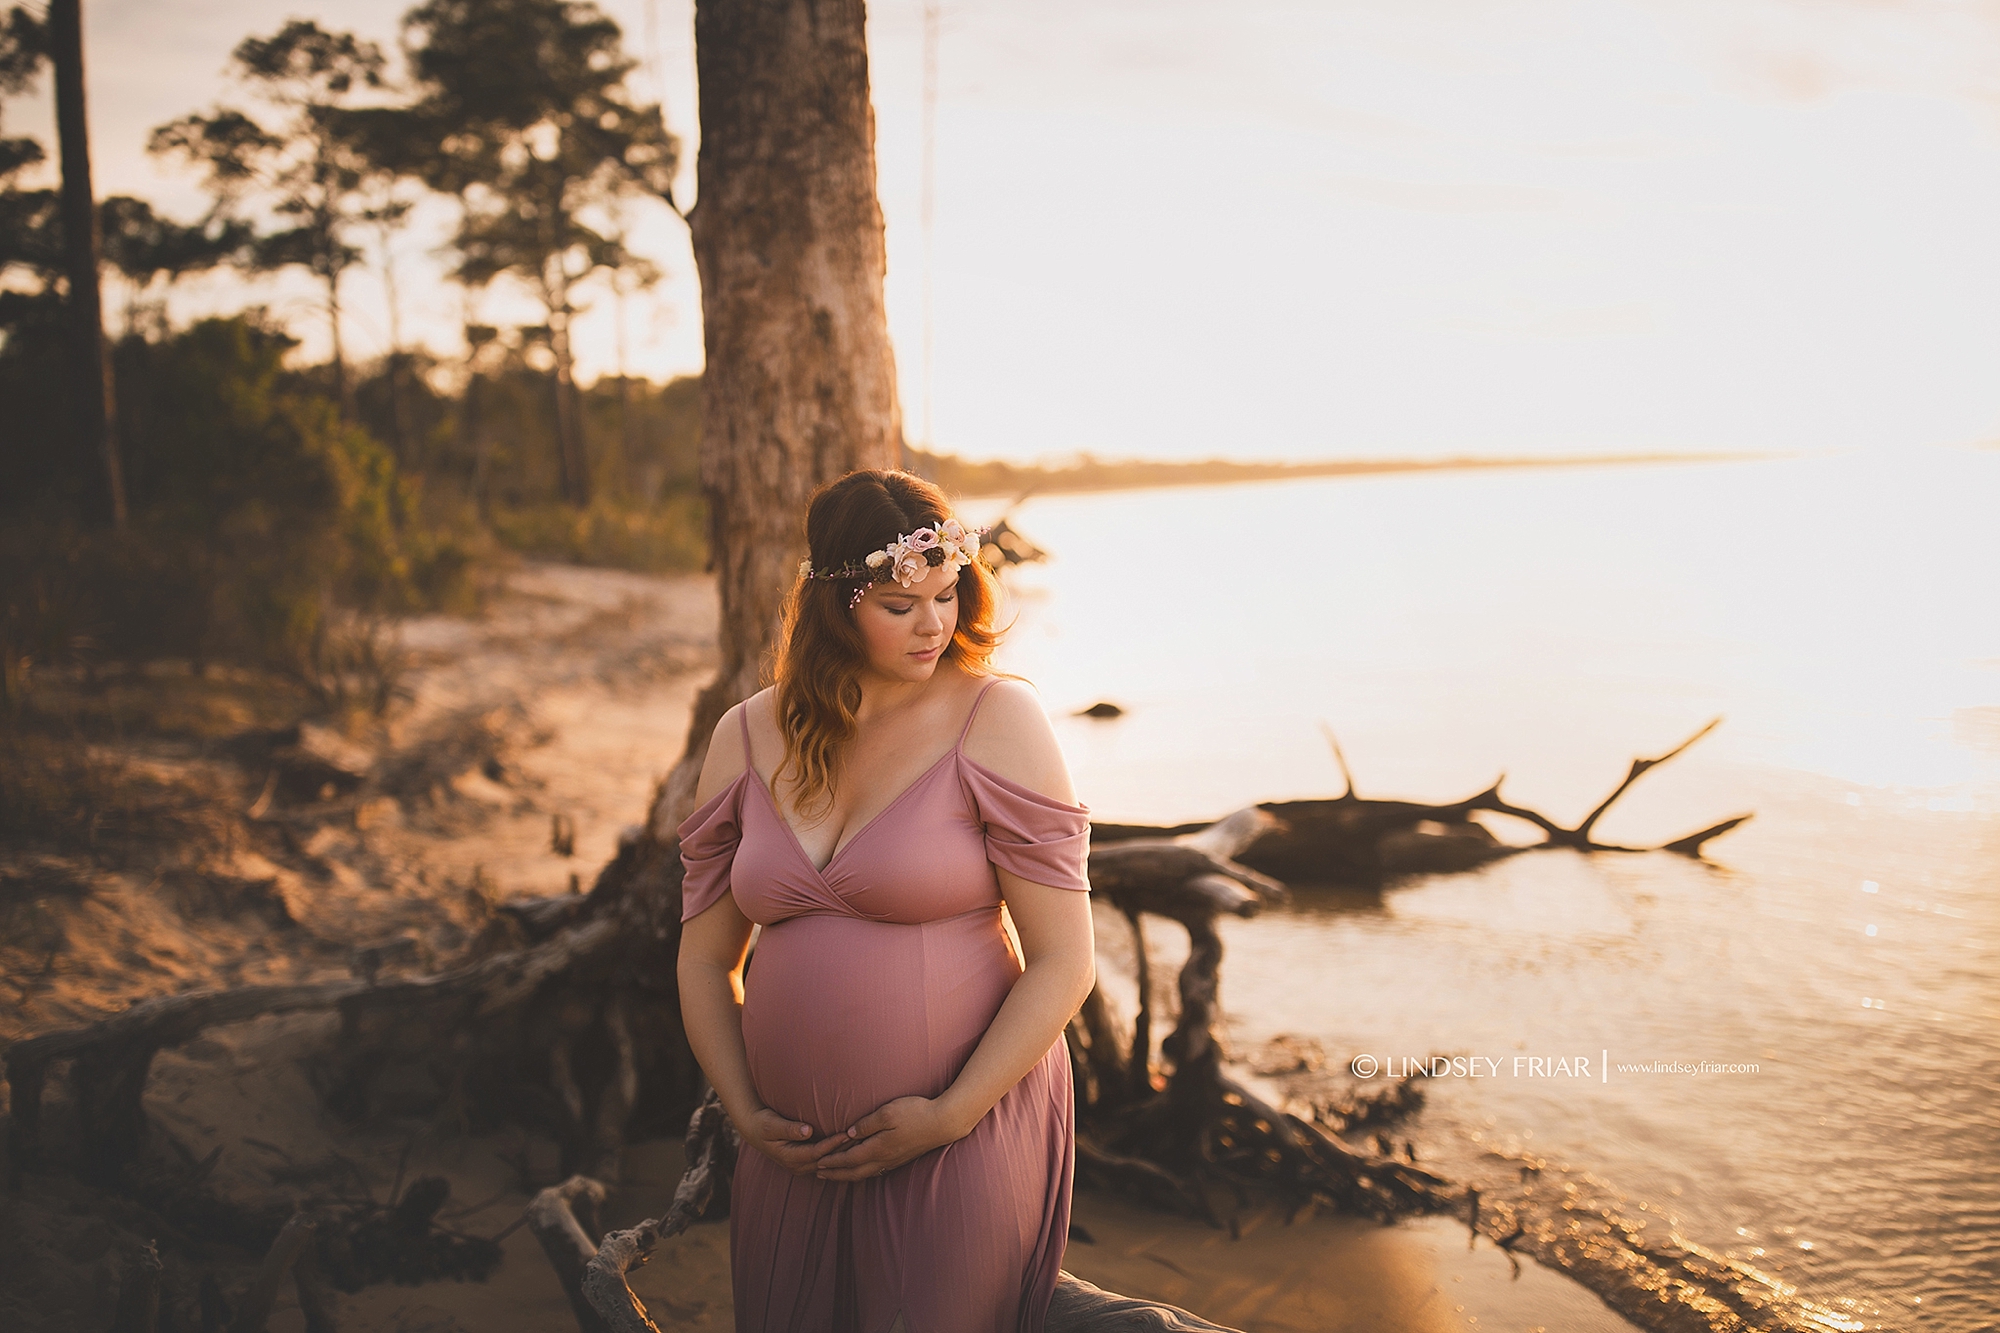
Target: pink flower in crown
{"x":909,"y":567}
{"x":921,"y":540}
{"x":952,"y":531}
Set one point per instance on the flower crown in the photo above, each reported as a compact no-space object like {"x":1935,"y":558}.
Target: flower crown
{"x":950,"y":546}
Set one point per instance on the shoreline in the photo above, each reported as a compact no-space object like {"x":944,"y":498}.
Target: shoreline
{"x":568,"y":697}
{"x":1017,"y":482}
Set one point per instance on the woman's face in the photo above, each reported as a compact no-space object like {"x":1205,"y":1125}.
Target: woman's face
{"x":904,"y":631}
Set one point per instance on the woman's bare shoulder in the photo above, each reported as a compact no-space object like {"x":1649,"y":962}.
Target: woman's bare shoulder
{"x":726,"y":758}
{"x":1012,"y":736}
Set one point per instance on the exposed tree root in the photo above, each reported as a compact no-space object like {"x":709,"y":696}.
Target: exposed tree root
{"x":596,"y":1276}
{"x":577,"y":1028}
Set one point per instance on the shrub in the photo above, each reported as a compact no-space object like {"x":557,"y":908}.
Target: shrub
{"x":256,"y":513}
{"x":663,"y":538}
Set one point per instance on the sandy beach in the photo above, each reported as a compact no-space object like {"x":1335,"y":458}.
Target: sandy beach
{"x":566,"y":701}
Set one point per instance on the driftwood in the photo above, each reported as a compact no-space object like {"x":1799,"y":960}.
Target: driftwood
{"x":1163,"y":1142}
{"x":1351,"y":839}
{"x":595,"y":1276}
{"x":593,"y":1273}
{"x":111,"y":1060}
{"x":255,"y":1308}
{"x":581,"y":1003}
{"x":566,"y":1239}
{"x":1158,"y":1143}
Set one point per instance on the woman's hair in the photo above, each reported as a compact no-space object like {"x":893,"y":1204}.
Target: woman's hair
{"x":820,"y":652}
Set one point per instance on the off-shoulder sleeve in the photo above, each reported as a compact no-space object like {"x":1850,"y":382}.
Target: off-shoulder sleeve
{"x":708,"y":849}
{"x":1041,"y":839}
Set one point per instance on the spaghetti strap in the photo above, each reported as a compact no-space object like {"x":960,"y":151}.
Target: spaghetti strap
{"x":743,"y":716}
{"x":977,"y":699}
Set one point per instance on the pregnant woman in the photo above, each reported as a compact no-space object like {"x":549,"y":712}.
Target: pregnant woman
{"x":892,"y":1060}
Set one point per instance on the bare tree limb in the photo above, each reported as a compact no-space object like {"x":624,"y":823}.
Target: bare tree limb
{"x":255,"y":1307}
{"x":552,"y":1217}
{"x":1639,"y":769}
{"x":1340,"y":757}
{"x":1692,"y":844}
{"x":315,"y":1302}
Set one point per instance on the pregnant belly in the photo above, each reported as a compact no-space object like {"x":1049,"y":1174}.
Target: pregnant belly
{"x":841,"y":1015}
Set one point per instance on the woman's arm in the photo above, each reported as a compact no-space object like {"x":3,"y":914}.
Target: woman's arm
{"x":1013,"y":738}
{"x":713,"y":946}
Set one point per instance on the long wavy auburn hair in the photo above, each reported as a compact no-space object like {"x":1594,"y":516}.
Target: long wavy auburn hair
{"x":820,"y":652}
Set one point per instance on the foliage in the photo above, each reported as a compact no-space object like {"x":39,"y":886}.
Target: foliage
{"x":23,"y":47}
{"x":256,"y":513}
{"x":146,"y":247}
{"x":540,"y":149}
{"x":30,"y":248}
{"x":647,"y":514}
{"x":309,"y":165}
{"x":274,"y":522}
{"x":652,"y":437}
{"x":656,"y":539}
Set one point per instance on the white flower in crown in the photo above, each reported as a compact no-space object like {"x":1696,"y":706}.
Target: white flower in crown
{"x":805,"y":569}
{"x":877,"y":559}
{"x":968,"y":545}
{"x":952,"y":531}
{"x":910,"y":566}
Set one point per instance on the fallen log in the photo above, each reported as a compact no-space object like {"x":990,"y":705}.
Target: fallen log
{"x":1352,"y":839}
{"x":567,"y":1243}
{"x":111,"y":1060}
{"x":583,"y":1004}
{"x":255,"y":1307}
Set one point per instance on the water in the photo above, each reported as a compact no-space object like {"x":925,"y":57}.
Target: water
{"x":1842,"y":614}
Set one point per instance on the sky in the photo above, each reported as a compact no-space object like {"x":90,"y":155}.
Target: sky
{"x":1342,"y":229}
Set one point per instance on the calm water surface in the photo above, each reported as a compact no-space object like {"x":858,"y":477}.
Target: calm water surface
{"x":1842,"y":613}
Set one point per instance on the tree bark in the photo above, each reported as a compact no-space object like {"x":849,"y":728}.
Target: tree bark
{"x":343,"y":389}
{"x":92,"y":402}
{"x":800,"y":382}
{"x":572,"y":451}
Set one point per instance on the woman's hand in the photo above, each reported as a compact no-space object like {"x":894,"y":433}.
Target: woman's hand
{"x":787,"y":1142}
{"x":889,"y":1136}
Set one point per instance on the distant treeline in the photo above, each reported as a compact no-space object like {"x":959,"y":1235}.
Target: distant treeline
{"x":1088,"y":473}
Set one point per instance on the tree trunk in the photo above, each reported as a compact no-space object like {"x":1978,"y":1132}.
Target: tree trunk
{"x":800,"y":382}
{"x":343,"y":391}
{"x":93,"y":406}
{"x":571,"y":451}
{"x":473,"y":426}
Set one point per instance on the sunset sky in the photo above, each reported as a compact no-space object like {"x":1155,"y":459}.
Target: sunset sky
{"x":1376,"y":228}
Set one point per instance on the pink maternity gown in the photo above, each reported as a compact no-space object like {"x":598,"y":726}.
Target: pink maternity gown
{"x":874,"y":979}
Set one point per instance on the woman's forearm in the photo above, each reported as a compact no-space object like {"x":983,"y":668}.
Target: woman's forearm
{"x":1029,"y":1022}
{"x":712,"y":1012}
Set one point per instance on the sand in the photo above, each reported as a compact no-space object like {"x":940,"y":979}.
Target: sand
{"x":575,"y":690}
